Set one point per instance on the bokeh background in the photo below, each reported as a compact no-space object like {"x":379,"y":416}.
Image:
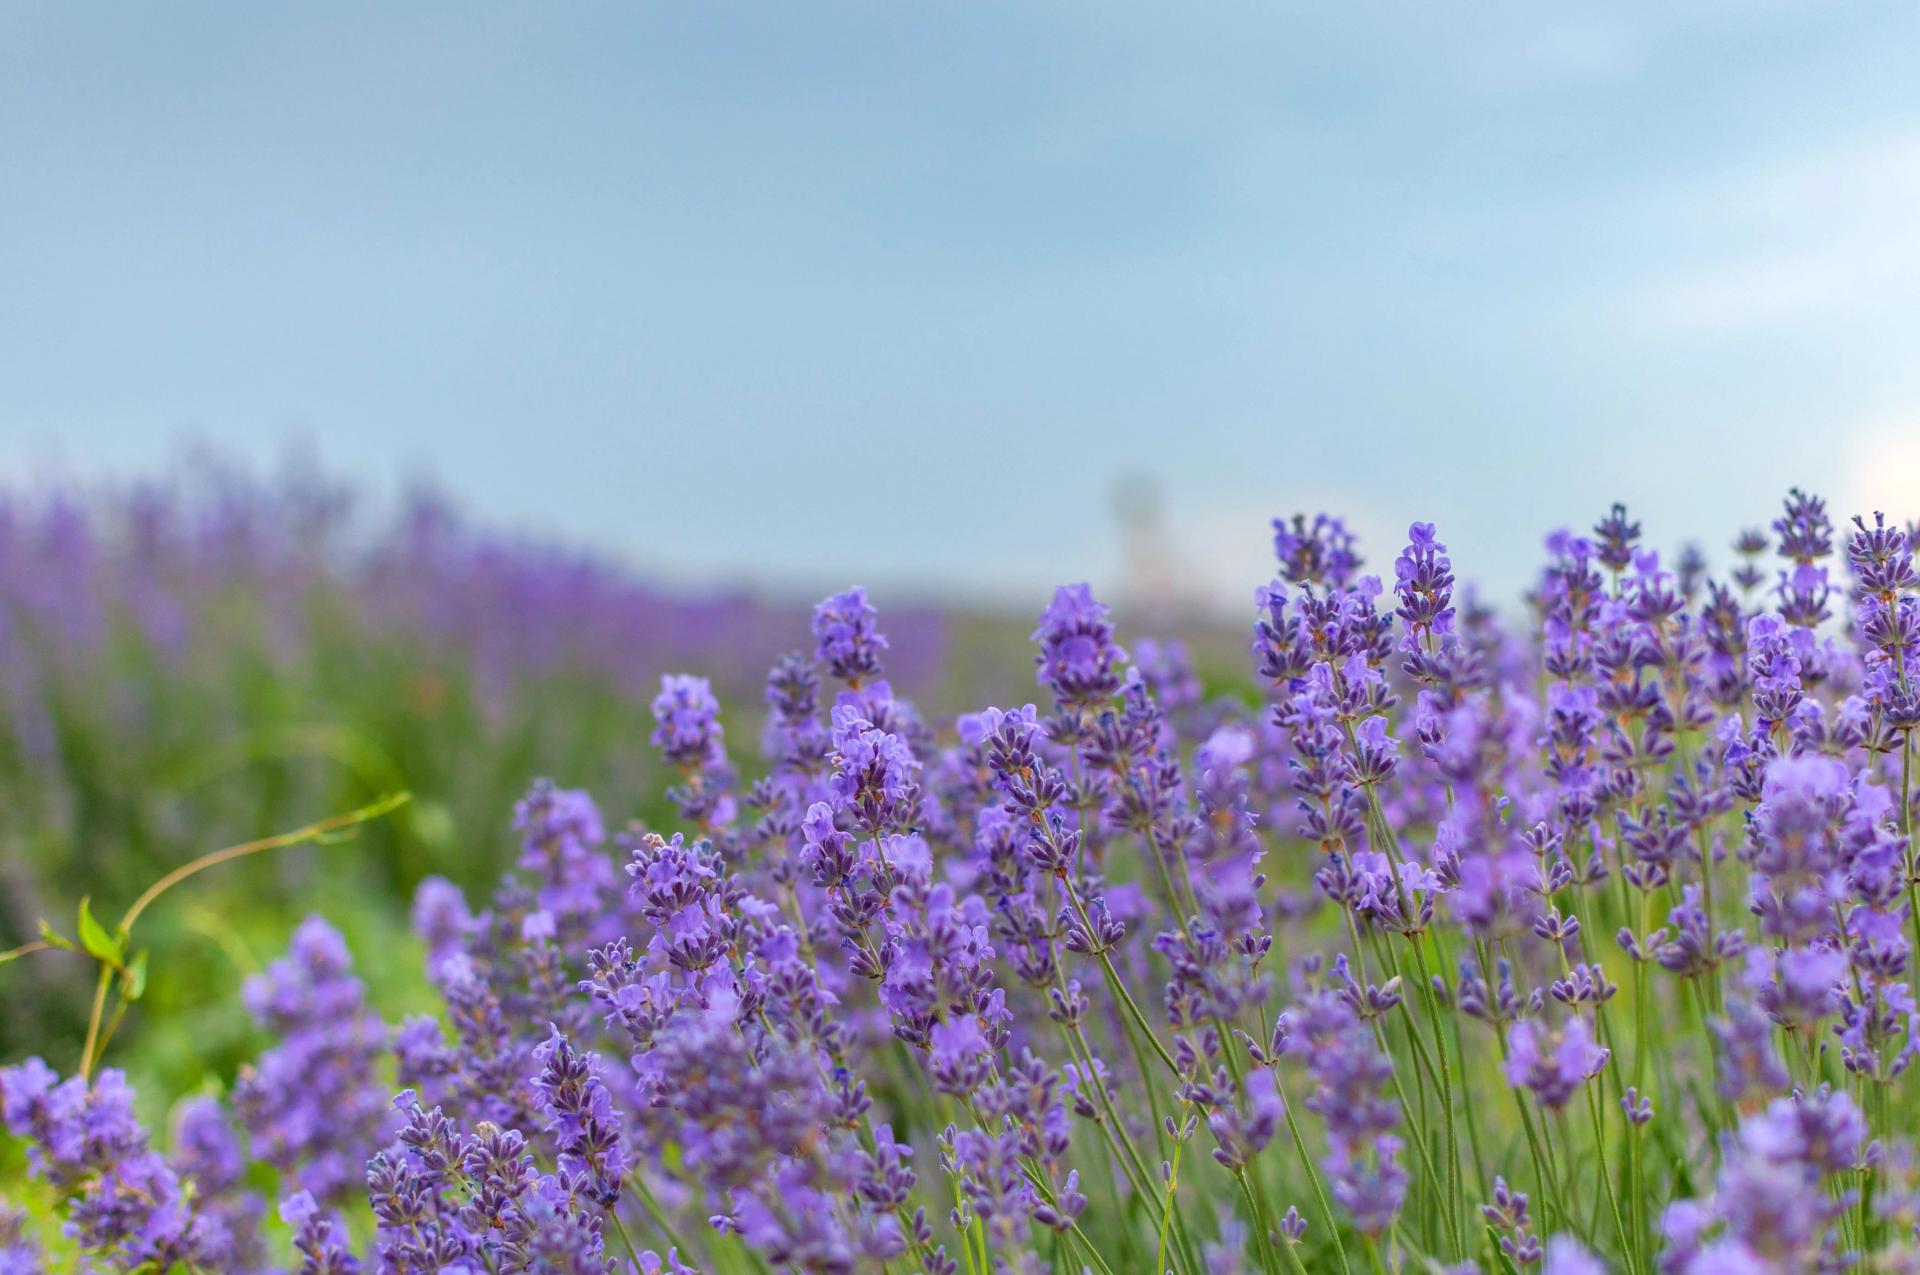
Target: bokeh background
{"x":389,"y":395}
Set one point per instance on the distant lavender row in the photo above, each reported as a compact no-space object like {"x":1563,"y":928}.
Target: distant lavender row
{"x":1579,"y":945}
{"x":196,"y":567}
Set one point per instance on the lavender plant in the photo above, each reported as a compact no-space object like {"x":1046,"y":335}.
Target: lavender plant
{"x":1577,"y":944}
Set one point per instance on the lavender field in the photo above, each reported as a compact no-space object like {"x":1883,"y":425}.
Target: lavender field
{"x":1571,"y":934}
{"x":1003,"y":638}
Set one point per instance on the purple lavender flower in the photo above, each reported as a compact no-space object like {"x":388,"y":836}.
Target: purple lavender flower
{"x":1167,"y":666}
{"x":125,"y":1205}
{"x":1364,"y":1153}
{"x":874,"y":774}
{"x":561,"y":835}
{"x":1320,"y":551}
{"x":312,"y":1103}
{"x":441,"y":919}
{"x":1747,"y":1062}
{"x":847,"y":641}
{"x":1750,"y":545}
{"x":1078,"y":659}
{"x":960,"y":1055}
{"x":1769,"y":1208}
{"x":1423,"y":580}
{"x":319,"y":1237}
{"x":207,"y":1154}
{"x":1568,"y":1256}
{"x":1553,"y":1064}
{"x":689,"y":733}
{"x":581,"y":1118}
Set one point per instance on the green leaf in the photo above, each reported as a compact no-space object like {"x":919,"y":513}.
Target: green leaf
{"x":135,"y":984}
{"x":54,"y":936}
{"x":94,"y":937}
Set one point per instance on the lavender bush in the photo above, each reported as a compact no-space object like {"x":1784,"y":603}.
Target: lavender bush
{"x":1575,"y":944}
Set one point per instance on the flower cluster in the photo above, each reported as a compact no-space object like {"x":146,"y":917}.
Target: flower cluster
{"x":1577,"y":943}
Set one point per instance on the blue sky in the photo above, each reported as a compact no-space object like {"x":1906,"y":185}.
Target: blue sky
{"x":798,"y":294}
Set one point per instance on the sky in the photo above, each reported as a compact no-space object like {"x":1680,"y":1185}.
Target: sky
{"x":796,"y":295}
